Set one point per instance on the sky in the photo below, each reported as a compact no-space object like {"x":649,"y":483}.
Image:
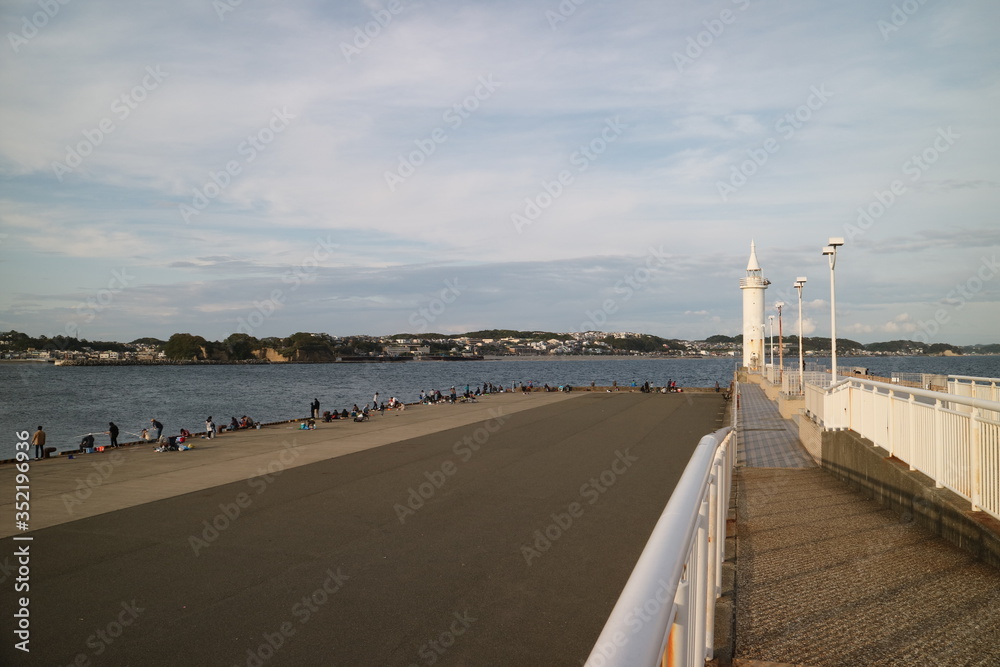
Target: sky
{"x":225,"y":166}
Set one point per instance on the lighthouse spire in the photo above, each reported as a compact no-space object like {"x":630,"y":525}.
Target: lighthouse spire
{"x":753,"y":264}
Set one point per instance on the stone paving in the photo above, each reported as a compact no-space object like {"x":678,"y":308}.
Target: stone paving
{"x":767,"y":440}
{"x":828,"y":577}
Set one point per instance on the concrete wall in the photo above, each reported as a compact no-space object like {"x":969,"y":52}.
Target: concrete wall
{"x":911,"y":494}
{"x":790,"y":406}
{"x":811,"y":437}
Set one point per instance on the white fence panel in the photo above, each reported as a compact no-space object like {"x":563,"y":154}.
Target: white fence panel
{"x":953,"y":437}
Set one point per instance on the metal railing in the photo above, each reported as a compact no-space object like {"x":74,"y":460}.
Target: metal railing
{"x":791,"y":386}
{"x":987,"y":389}
{"x":665,"y":614}
{"x":953,"y":439}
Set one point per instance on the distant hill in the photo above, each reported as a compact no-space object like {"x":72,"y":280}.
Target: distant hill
{"x":303,"y":346}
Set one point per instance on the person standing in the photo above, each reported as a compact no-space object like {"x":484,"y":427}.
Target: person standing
{"x":375,"y":400}
{"x":315,"y":408}
{"x":113,"y":432}
{"x":157,"y":429}
{"x":209,"y":428}
{"x":38,"y":440}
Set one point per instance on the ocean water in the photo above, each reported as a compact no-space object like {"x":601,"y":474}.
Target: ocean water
{"x":71,"y":401}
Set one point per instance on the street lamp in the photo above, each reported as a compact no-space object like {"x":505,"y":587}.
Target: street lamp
{"x":781,"y":345}
{"x":800,"y":282}
{"x":831,"y":252}
{"x":770,"y":323}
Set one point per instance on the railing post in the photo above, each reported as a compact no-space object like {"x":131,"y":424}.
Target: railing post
{"x":715,"y":511}
{"x":696,"y":650}
{"x":975,"y":443}
{"x":677,"y":643}
{"x":890,"y":431}
{"x":938,"y":445}
{"x":911,"y":410}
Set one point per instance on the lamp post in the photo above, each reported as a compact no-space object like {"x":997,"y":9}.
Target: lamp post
{"x":831,"y":253}
{"x":770,"y":323}
{"x":800,"y":282}
{"x":781,"y":345}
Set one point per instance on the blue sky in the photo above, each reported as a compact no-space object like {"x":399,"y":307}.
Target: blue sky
{"x":367,"y":167}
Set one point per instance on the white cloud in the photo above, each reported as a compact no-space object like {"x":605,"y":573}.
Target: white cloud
{"x":656,"y":184}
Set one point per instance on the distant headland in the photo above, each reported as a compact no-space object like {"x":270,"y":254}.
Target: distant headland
{"x":303,"y":347}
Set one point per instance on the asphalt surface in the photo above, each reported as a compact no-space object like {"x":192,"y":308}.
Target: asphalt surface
{"x":419,"y":552}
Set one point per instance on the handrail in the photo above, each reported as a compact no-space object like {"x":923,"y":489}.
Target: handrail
{"x":951,"y":438}
{"x":637,"y":631}
{"x":973,"y":377}
{"x":979,"y":403}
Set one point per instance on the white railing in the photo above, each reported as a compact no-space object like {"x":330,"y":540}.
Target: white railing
{"x":987,"y":389}
{"x":953,"y":439}
{"x":791,"y":386}
{"x":665,"y":614}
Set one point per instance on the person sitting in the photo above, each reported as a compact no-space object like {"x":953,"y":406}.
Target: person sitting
{"x":343,"y":414}
{"x":145,"y":435}
{"x":185,"y":433}
{"x":233,"y":424}
{"x":361,"y":416}
{"x":87,"y":442}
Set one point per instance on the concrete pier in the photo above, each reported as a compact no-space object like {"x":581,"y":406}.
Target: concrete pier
{"x":499,"y":533}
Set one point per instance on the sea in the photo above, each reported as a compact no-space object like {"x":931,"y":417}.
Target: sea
{"x":72,"y":401}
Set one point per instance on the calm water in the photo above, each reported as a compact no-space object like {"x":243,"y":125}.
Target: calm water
{"x":72,"y":401}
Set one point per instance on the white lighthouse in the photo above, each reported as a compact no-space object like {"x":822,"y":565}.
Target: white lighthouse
{"x":753,"y":287}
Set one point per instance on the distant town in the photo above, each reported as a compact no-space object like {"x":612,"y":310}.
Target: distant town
{"x":305,"y":347}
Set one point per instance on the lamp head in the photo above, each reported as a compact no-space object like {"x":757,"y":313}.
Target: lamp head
{"x":836,"y":241}
{"x":830,"y":250}
{"x":801,"y":280}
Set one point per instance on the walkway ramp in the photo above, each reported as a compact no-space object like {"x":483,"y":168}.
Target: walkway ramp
{"x":827,"y":577}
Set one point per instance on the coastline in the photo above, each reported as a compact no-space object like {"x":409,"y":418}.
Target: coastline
{"x":196,"y":435}
{"x":397,"y":360}
{"x":135,"y":474}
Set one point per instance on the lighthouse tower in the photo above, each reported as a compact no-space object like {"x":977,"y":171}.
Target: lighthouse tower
{"x":753,"y":287}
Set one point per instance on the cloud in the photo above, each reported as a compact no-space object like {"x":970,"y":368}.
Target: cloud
{"x":538,"y":135}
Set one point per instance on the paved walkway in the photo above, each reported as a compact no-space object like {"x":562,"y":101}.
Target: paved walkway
{"x":768,"y":440}
{"x":828,"y":577}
